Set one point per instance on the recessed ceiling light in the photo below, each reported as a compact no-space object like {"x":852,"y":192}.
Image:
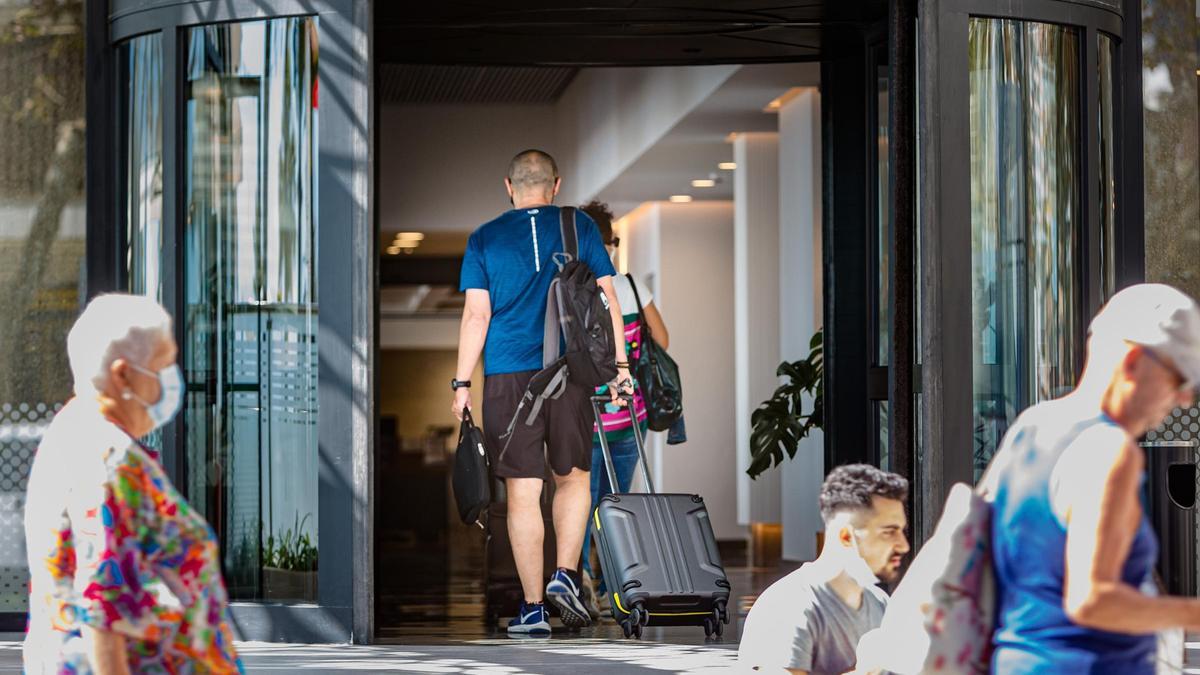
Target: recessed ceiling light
{"x":704,"y":182}
{"x":681,"y":199}
{"x":783,"y":98}
{"x":727,"y":166}
{"x":410,"y":236}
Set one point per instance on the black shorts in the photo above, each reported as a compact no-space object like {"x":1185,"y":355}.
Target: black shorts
{"x":560,"y":434}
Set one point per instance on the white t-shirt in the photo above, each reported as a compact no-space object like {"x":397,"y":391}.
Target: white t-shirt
{"x":625,"y":296}
{"x":799,"y":622}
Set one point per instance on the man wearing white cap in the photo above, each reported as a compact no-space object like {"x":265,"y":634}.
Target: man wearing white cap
{"x":1073,"y":550}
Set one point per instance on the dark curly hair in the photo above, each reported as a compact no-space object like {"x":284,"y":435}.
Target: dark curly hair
{"x":851,"y":487}
{"x":603,"y":216}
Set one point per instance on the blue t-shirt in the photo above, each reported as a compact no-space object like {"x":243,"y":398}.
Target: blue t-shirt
{"x":512,"y":258}
{"x":1033,"y":634}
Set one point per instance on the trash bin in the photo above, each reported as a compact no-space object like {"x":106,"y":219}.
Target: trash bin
{"x":1171,"y":469}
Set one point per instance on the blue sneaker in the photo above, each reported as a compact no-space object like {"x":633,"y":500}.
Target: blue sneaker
{"x":565,"y":594}
{"x":531,"y":620}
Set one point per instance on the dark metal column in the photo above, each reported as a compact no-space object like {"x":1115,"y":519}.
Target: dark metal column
{"x":902,"y":161}
{"x":101,"y":163}
{"x":945,"y":234}
{"x":847,"y":132}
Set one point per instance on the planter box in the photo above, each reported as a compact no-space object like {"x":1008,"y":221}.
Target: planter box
{"x":294,"y":585}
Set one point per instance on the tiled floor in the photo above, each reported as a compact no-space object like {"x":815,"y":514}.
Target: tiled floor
{"x":498,"y":656}
{"x":434,"y":590}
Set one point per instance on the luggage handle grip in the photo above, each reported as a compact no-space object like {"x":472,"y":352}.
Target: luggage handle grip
{"x":609,"y":468}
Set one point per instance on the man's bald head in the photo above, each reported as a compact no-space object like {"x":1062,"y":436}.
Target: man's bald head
{"x":532,"y":171}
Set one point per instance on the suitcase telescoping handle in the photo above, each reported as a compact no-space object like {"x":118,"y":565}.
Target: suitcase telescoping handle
{"x":597,"y":401}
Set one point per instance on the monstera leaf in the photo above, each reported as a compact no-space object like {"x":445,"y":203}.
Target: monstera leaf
{"x":780,"y":422}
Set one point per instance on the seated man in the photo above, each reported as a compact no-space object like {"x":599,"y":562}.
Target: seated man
{"x":811,"y":620}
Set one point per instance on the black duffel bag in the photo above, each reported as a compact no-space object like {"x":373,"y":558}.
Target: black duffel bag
{"x":657,"y":376}
{"x":472,"y":492}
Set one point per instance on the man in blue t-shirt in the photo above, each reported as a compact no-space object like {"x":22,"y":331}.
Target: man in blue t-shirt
{"x":506,"y":273}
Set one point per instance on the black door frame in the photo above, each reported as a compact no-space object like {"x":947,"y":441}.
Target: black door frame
{"x":944,"y":206}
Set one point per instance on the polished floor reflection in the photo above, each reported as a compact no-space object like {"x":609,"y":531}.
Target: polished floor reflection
{"x":431,"y":591}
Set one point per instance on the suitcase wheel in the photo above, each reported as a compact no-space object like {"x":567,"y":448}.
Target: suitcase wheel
{"x":715,"y":624}
{"x":633,"y":624}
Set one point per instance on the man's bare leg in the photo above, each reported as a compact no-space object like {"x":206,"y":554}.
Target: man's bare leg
{"x":572,"y":501}
{"x":526,"y":532}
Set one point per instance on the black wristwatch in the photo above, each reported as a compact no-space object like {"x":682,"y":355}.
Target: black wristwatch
{"x":456,"y":383}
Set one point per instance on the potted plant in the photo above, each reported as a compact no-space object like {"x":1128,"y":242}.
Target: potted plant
{"x":780,"y":423}
{"x":289,"y":564}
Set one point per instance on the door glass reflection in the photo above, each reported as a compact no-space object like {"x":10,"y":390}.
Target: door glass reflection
{"x":250,"y":299}
{"x":142,"y":68}
{"x":1106,"y":51}
{"x":1024,"y":113}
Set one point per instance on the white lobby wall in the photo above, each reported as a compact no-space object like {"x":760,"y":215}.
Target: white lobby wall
{"x":756,"y":310}
{"x":800,"y":304}
{"x":685,"y":250}
{"x":442,"y":166}
{"x":608,"y":117}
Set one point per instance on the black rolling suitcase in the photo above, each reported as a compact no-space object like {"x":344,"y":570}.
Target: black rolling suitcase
{"x":658,"y":555}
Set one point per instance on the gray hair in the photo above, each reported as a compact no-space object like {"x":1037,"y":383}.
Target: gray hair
{"x":531,"y":169}
{"x":111,"y":327}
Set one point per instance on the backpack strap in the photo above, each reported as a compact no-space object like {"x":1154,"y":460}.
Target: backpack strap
{"x":566,"y":226}
{"x":551,"y":389}
{"x":551,"y":331}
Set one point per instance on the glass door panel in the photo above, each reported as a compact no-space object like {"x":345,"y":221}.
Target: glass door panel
{"x":1106,"y":50}
{"x":141,"y":63}
{"x":251,"y":308}
{"x":1025,"y":204}
{"x":881,"y":267}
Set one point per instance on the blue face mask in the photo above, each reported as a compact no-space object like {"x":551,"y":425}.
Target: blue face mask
{"x":170,"y":383}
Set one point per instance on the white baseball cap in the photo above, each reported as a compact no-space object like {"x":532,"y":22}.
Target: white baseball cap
{"x":1159,"y":317}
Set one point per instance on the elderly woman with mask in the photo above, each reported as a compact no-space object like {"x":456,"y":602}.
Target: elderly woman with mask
{"x":125,"y":574}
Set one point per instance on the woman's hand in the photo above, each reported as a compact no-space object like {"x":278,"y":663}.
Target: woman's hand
{"x":622,"y":386}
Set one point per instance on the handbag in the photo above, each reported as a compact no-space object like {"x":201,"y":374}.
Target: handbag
{"x":472,"y":491}
{"x":657,"y":376}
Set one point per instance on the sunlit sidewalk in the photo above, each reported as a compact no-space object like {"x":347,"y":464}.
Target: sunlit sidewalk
{"x":500,"y":656}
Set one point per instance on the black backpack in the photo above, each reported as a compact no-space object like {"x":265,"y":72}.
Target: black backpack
{"x":578,"y":311}
{"x":578,"y":336}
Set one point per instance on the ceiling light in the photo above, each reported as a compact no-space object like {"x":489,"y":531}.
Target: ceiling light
{"x":782,"y":99}
{"x":704,"y":182}
{"x":393,"y":250}
{"x":410,"y":236}
{"x":727,"y":166}
{"x":681,"y":199}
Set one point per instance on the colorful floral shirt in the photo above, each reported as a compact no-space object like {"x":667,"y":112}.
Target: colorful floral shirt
{"x":113,"y":545}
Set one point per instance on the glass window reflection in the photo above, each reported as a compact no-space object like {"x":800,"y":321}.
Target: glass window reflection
{"x":43,"y":245}
{"x":141,"y":64}
{"x":250,"y":300}
{"x":1106,"y":51}
{"x":1024,"y":112}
